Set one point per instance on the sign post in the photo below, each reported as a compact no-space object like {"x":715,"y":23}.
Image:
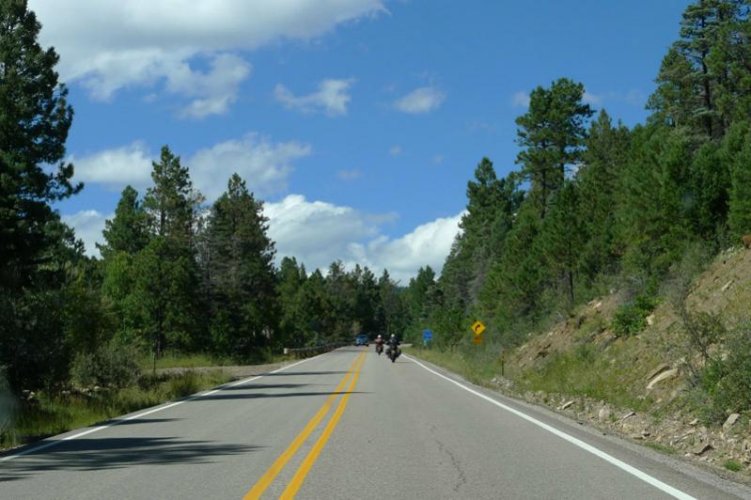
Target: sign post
{"x":427,"y":337}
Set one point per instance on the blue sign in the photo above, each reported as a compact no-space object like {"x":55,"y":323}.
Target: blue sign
{"x":427,"y":335}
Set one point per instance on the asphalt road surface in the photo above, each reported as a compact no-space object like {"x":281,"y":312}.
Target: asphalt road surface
{"x":351,"y":425}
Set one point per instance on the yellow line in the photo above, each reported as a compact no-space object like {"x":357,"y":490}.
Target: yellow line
{"x":293,"y":487}
{"x":257,"y":490}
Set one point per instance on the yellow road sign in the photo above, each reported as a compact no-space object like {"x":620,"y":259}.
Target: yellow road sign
{"x":478,"y":327}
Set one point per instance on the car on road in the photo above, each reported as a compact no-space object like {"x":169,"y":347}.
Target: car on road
{"x":362,"y":339}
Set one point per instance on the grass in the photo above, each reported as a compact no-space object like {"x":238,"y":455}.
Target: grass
{"x":181,"y":361}
{"x":732,"y":465}
{"x":53,"y":414}
{"x":667,"y":450}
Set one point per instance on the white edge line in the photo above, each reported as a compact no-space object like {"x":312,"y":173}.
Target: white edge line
{"x":577,"y":442}
{"x":147,"y":412}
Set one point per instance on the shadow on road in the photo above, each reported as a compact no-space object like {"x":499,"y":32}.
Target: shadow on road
{"x":291,"y":374}
{"x":144,"y":420}
{"x":258,"y":395}
{"x":252,"y":385}
{"x":113,"y":453}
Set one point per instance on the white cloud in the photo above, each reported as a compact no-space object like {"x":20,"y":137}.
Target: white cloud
{"x":428,"y":244}
{"x":395,"y":150}
{"x":318,"y":233}
{"x":108,"y":45}
{"x":331,"y":98}
{"x":88,"y":225}
{"x":520,"y":100}
{"x":421,"y":100}
{"x":263,"y":164}
{"x":116,"y":168}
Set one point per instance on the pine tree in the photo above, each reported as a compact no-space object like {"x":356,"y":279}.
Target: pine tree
{"x":243,"y":287}
{"x":34,"y":245}
{"x":551,"y":135}
{"x":127,"y":231}
{"x":167,"y":286}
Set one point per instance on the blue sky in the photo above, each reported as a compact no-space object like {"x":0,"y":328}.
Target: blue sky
{"x":358,"y":122}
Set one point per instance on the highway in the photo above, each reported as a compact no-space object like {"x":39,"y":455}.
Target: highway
{"x":349,"y":425}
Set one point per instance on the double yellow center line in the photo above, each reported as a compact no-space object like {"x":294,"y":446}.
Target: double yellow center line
{"x":294,"y":485}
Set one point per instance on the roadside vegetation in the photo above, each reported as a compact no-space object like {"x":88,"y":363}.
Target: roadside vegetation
{"x":582,"y":262}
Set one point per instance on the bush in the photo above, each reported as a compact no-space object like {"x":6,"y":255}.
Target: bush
{"x":631,"y":318}
{"x":727,"y":381}
{"x":111,"y":365}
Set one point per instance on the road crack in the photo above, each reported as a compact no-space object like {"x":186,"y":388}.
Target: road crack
{"x":462,"y":477}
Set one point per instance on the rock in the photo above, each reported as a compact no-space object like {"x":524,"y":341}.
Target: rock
{"x":662,"y":368}
{"x":730,"y":421}
{"x":637,"y":436}
{"x":566,"y":404}
{"x":694,"y":422}
{"x":672,"y":373}
{"x":603,"y":414}
{"x":702,"y":449}
{"x":650,"y":319}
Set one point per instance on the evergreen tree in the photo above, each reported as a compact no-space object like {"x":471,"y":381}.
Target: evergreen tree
{"x":34,"y":245}
{"x":290,"y":281}
{"x":604,"y":161}
{"x":167,"y":275}
{"x":127,"y":231}
{"x":740,"y":191}
{"x":243,"y":285}
{"x":551,"y":135}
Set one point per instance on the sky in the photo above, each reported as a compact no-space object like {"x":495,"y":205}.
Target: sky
{"x":357,"y":122}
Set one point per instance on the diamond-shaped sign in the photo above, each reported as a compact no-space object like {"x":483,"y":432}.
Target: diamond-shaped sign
{"x":478,"y":327}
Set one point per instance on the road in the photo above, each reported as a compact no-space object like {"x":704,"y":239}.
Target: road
{"x":349,"y":424}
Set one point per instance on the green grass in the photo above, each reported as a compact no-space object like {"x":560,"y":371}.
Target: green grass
{"x":182,"y":361}
{"x":53,"y":414}
{"x":474,"y":364}
{"x":732,"y":465}
{"x":667,"y":450}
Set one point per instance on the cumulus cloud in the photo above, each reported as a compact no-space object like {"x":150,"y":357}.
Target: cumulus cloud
{"x":108,"y":46}
{"x":421,"y":100}
{"x":88,"y":225}
{"x":264,"y":165}
{"x":318,"y":233}
{"x":331,"y":98}
{"x":116,"y":168}
{"x":428,"y":244}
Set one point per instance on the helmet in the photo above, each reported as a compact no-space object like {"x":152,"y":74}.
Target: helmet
{"x":393,"y":336}
{"x":379,"y":336}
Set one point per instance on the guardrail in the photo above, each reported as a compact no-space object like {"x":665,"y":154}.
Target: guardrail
{"x":305,"y":352}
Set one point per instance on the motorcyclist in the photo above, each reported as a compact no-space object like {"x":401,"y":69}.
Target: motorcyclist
{"x":379,"y":344}
{"x":393,"y":345}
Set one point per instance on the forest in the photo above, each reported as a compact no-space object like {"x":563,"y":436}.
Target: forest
{"x":590,"y":205}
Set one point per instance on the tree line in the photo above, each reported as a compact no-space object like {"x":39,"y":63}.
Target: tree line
{"x":594,"y":205}
{"x":591,"y":204}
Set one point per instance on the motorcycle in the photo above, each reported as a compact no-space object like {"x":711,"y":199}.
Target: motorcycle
{"x":393,"y":352}
{"x":379,"y":348}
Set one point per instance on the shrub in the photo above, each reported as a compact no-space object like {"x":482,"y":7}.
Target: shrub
{"x":111,"y":365}
{"x":631,"y":318}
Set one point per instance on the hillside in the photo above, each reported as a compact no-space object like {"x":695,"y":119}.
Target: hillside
{"x":640,"y":386}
